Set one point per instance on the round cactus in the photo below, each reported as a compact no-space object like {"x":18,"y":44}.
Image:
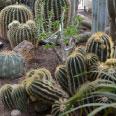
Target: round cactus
{"x":91,"y":59}
{"x":51,"y":11}
{"x":20,"y":97}
{"x":6,"y":98}
{"x":101,"y":45}
{"x":12,"y":65}
{"x":18,"y":32}
{"x":61,"y":77}
{"x":76,"y":69}
{"x":43,"y":91}
{"x":58,"y":107}
{"x":10,"y":13}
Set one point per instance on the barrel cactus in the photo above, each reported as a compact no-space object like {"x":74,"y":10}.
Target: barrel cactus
{"x":101,"y":45}
{"x":80,"y":49}
{"x":45,"y":91}
{"x":10,"y":13}
{"x":76,"y":69}
{"x":58,"y":107}
{"x":20,"y":97}
{"x":91,"y":59}
{"x":18,"y":32}
{"x":6,"y":98}
{"x":61,"y":77}
{"x":51,"y":11}
{"x":12,"y":65}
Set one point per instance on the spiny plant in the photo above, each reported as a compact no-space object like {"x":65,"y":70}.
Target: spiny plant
{"x":101,"y":45}
{"x":91,"y":59}
{"x":80,"y":49}
{"x":6,"y":98}
{"x":12,"y":65}
{"x":18,"y":32}
{"x":20,"y":97}
{"x":76,"y":70}
{"x":52,"y":11}
{"x":10,"y":13}
{"x":44,"y":91}
{"x":61,"y":77}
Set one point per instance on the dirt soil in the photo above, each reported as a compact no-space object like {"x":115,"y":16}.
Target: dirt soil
{"x":44,"y":58}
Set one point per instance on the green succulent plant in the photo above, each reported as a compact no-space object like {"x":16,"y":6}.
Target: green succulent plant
{"x":10,"y":13}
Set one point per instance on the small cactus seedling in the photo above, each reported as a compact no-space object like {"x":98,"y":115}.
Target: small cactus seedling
{"x":6,"y":98}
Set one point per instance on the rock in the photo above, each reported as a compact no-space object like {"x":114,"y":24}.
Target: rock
{"x":15,"y":113}
{"x":26,"y":49}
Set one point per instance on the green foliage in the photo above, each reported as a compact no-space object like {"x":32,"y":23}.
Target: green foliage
{"x":12,"y":65}
{"x":10,"y":13}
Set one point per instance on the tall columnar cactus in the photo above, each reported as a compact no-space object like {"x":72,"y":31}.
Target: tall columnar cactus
{"x":6,"y":98}
{"x":10,"y":13}
{"x":45,"y":91}
{"x":18,"y":32}
{"x":61,"y":77}
{"x":76,"y":69}
{"x":50,"y":11}
{"x":20,"y":97}
{"x":101,"y":45}
{"x":12,"y":65}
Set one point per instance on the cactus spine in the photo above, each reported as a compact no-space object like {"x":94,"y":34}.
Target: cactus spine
{"x":6,"y":98}
{"x":12,"y":65}
{"x":20,"y":97}
{"x":51,"y":11}
{"x":101,"y":45}
{"x":18,"y":32}
{"x":10,"y":13}
{"x":76,"y":69}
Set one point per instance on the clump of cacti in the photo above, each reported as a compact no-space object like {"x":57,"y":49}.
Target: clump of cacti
{"x":6,"y":97}
{"x":76,"y":70}
{"x":12,"y":65}
{"x":18,"y":32}
{"x":10,"y":13}
{"x":101,"y":45}
{"x":20,"y":97}
{"x":51,"y":11}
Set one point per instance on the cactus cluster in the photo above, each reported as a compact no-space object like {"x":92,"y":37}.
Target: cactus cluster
{"x":10,"y":13}
{"x":12,"y":65}
{"x":101,"y":45}
{"x":51,"y":11}
{"x":18,"y":32}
